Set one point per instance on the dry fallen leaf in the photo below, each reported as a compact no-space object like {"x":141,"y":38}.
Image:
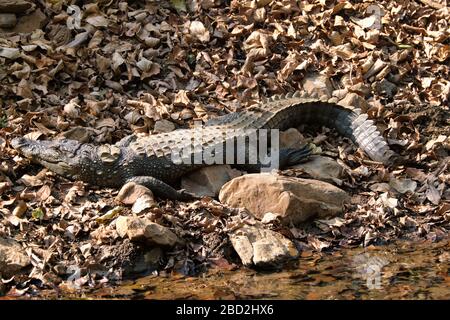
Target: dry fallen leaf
{"x":199,"y":31}
{"x":141,"y":67}
{"x":403,"y":185}
{"x":20,"y":210}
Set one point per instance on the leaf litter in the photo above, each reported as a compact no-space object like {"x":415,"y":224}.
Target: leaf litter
{"x":124,"y":66}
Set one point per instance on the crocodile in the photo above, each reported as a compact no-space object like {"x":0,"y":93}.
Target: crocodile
{"x":148,"y":160}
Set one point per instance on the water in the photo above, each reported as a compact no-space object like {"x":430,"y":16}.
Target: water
{"x":405,"y":270}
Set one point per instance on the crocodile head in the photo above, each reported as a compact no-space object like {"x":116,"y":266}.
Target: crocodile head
{"x":68,"y":158}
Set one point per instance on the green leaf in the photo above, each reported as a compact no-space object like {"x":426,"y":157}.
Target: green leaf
{"x":3,"y":121}
{"x":111,"y":214}
{"x":38,"y":214}
{"x":180,"y":5}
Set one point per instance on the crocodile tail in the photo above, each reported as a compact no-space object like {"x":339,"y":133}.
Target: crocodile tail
{"x":296,"y":108}
{"x":366,"y":135}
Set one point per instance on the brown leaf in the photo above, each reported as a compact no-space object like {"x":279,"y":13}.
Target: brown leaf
{"x":199,"y":31}
{"x":433,"y":195}
{"x":20,"y":210}
{"x":43,"y":193}
{"x":31,"y":181}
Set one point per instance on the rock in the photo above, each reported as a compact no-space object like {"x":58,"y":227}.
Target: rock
{"x":270,"y":217}
{"x":385,"y":87}
{"x":208,"y":181}
{"x":355,"y":101}
{"x":12,"y":258}
{"x":122,"y":226}
{"x":294,"y":199}
{"x":260,"y":247}
{"x":291,"y":138}
{"x":10,"y":53}
{"x":143,"y":203}
{"x":128,"y":259}
{"x":322,"y":168}
{"x":139,"y":196}
{"x":361,"y":88}
{"x":30,"y":22}
{"x":144,"y":231}
{"x":131,"y":191}
{"x":318,"y":84}
{"x":2,"y":289}
{"x":8,"y":20}
{"x":145,"y":262}
{"x":163,"y":126}
{"x":15,"y":6}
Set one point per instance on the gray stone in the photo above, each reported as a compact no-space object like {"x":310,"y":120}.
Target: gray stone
{"x":137,"y":195}
{"x":144,"y":231}
{"x":385,"y":87}
{"x":291,"y":138}
{"x":209,"y":180}
{"x":294,"y":199}
{"x":260,"y":247}
{"x":322,"y":168}
{"x":7,"y":20}
{"x":15,"y":6}
{"x":30,"y":22}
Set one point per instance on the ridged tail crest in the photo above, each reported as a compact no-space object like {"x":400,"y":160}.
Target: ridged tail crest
{"x":292,"y":109}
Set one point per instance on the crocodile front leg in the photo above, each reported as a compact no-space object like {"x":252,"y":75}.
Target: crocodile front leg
{"x":162,"y":189}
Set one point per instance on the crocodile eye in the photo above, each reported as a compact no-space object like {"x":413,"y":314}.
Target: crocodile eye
{"x":69,"y":146}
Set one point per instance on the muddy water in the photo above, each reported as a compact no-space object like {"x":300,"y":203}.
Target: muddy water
{"x":406,"y":270}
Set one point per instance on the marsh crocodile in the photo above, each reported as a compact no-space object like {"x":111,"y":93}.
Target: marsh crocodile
{"x":148,"y":160}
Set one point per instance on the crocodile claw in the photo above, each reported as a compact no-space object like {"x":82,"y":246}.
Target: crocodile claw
{"x":187,"y":196}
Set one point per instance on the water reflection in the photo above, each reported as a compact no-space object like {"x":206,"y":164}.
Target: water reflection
{"x":406,"y":270}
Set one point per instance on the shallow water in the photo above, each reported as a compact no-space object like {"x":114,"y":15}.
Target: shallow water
{"x":406,"y":270}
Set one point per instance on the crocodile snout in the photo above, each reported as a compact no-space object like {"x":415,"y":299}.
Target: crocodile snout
{"x":18,"y":143}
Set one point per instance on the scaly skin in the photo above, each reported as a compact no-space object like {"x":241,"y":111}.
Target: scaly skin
{"x":147,"y":160}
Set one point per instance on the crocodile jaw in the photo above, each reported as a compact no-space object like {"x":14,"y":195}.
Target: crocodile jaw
{"x":60,"y":156}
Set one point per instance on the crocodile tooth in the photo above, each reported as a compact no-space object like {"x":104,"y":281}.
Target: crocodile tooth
{"x":297,"y":94}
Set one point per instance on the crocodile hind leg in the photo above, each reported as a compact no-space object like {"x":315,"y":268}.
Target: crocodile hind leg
{"x":162,"y":189}
{"x":291,"y":156}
